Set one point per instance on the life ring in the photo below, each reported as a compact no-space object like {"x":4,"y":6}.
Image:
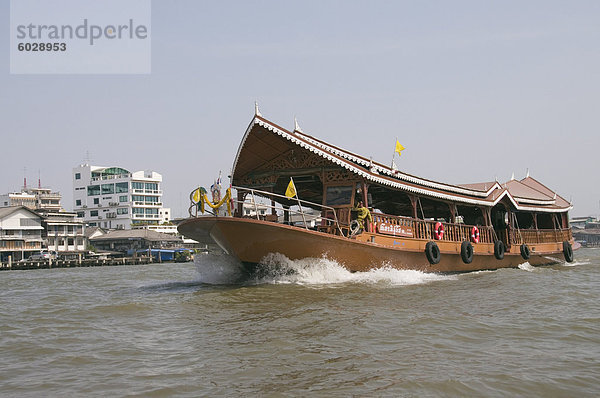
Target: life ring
{"x":568,"y":251}
{"x":499,"y":250}
{"x":438,"y":231}
{"x":475,"y":235}
{"x":525,"y":252}
{"x":466,"y":252}
{"x":432,"y":251}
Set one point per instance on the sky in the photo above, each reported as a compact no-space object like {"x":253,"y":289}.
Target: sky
{"x":475,"y":91}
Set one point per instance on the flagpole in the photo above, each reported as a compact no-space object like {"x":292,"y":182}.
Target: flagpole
{"x":394,"y":155}
{"x":299,"y":205}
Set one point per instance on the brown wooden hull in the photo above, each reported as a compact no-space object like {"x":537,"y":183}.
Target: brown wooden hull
{"x":251,"y":240}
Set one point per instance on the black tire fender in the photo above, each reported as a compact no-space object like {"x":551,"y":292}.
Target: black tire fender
{"x":432,"y":251}
{"x":568,"y":251}
{"x":466,"y":252}
{"x":525,"y":252}
{"x":499,"y":249}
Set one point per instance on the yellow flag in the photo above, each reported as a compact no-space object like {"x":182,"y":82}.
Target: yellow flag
{"x":290,"y":192}
{"x":399,"y":147}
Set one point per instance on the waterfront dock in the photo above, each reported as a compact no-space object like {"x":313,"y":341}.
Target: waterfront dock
{"x":89,"y":262}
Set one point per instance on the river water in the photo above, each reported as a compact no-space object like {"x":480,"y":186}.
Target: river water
{"x":303,"y":328}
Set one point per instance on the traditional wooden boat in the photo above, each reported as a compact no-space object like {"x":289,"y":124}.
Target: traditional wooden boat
{"x":415,"y":223}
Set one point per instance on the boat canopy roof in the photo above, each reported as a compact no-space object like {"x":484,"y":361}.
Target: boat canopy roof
{"x":269,"y":155}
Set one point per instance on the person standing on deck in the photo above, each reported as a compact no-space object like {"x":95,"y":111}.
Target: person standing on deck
{"x":362,"y":214}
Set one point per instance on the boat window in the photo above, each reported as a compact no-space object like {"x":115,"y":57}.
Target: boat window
{"x":545,"y":221}
{"x":339,"y":195}
{"x":470,"y":215}
{"x":524,"y":220}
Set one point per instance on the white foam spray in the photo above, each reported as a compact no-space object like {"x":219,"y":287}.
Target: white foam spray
{"x":577,"y":263}
{"x":277,"y":268}
{"x":527,"y":267}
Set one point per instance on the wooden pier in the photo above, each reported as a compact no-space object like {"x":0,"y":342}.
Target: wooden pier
{"x":90,"y":262}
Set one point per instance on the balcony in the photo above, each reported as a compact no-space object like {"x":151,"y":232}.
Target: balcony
{"x":147,"y":203}
{"x":146,"y":216}
{"x":20,"y":245}
{"x":111,"y":177}
{"x":147,"y":191}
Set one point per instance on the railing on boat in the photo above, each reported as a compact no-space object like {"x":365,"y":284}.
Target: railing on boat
{"x":425,"y":229}
{"x":328,"y":221}
{"x":533,"y":236}
{"x":331,"y":222}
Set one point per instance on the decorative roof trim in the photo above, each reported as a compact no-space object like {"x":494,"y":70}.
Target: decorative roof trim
{"x":338,"y":158}
{"x":534,"y":201}
{"x":394,"y":173}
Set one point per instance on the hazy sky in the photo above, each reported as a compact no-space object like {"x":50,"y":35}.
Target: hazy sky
{"x":475,"y":90}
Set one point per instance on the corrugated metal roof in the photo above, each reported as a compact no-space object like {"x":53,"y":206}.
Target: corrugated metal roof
{"x":136,"y":233}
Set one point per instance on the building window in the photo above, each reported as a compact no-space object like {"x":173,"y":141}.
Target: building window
{"x":78,"y":176}
{"x":96,"y":201}
{"x":92,"y":224}
{"x":70,"y":241}
{"x":79,"y":241}
{"x":93,"y":190}
{"x":108,"y":189}
{"x":137,"y":185}
{"x":151,"y":199}
{"x":122,"y":211}
{"x":137,"y":210}
{"x":121,"y":187}
{"x":80,"y":214}
{"x":29,"y":222}
{"x":123,"y":198}
{"x":137,"y":198}
{"x":78,"y":202}
{"x":94,"y":213}
{"x":151,"y":211}
{"x":151,"y":186}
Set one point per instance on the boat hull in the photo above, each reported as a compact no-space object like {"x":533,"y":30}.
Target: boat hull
{"x":250,"y":240}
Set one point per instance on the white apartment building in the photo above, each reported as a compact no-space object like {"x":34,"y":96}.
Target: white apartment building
{"x":20,"y":232}
{"x":115,"y":198}
{"x":64,"y":233}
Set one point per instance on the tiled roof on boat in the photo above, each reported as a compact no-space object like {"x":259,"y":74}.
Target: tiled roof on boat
{"x":524,"y":192}
{"x":474,"y":194}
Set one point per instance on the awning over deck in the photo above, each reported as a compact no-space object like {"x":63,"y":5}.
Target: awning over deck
{"x":269,"y":155}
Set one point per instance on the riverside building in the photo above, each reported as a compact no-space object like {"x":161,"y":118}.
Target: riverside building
{"x":62,"y":232}
{"x":116,"y":198}
{"x":34,"y":198}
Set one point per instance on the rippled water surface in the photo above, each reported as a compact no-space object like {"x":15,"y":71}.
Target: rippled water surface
{"x":303,"y":328}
